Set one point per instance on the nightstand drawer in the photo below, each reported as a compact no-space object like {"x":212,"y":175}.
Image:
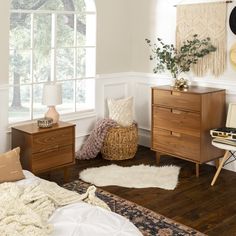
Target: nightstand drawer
{"x":176,"y":143}
{"x":175,"y":99}
{"x":52,"y":140}
{"x":43,"y":161}
{"x":177,"y":120}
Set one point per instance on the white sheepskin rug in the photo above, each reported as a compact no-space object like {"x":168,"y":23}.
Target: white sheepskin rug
{"x":141,"y":176}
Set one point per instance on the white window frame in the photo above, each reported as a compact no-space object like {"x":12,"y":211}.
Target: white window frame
{"x":89,"y":92}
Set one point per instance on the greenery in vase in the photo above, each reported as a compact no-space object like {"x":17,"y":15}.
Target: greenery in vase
{"x":176,"y":61}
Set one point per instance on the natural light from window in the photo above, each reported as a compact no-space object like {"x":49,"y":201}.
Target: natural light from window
{"x":51,"y":40}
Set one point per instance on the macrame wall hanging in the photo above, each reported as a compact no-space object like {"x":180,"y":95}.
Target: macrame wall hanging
{"x":206,"y":20}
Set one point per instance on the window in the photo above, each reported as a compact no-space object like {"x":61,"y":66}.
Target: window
{"x":51,"y":40}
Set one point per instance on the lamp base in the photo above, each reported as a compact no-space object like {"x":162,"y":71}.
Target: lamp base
{"x":52,"y":113}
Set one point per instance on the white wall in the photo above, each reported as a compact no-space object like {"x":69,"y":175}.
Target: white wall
{"x":150,"y":18}
{"x":158,"y":19}
{"x":123,"y":66}
{"x":113,"y":36}
{"x":4,"y":41}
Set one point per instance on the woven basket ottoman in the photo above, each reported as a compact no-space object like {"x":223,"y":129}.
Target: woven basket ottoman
{"x":120,"y":143}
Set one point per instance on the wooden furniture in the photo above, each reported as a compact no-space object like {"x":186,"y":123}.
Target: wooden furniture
{"x":229,"y":152}
{"x":45,"y":149}
{"x":181,"y":121}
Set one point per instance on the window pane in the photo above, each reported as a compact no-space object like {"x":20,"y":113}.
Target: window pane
{"x":48,"y":45}
{"x":65,"y":30}
{"x":79,"y":6}
{"x":86,"y":62}
{"x":81,"y":55}
{"x":42,"y":65}
{"x":42,"y":30}
{"x":81,"y":29}
{"x":20,"y":31}
{"x":85,"y":94}
{"x":19,"y":103}
{"x":65,"y":64}
{"x":38,"y":108}
{"x":19,"y":67}
{"x":32,"y":5}
{"x":68,"y":103}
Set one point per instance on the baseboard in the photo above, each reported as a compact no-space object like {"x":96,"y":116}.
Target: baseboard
{"x":144,"y":137}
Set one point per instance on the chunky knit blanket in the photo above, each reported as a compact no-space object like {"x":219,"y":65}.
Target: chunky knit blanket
{"x":93,"y":144}
{"x":25,"y":210}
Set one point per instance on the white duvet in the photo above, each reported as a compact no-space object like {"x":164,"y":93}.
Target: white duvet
{"x":82,"y":219}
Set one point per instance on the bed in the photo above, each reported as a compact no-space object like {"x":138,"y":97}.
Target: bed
{"x":84,"y":219}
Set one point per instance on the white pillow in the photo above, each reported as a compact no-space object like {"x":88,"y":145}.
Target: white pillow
{"x":121,"y":110}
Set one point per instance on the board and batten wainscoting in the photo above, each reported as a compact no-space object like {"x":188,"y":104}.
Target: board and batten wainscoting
{"x":119,"y":85}
{"x":139,"y":86}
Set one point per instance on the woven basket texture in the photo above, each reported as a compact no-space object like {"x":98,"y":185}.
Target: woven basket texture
{"x":120,"y":143}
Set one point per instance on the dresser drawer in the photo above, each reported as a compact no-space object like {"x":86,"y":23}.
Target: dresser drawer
{"x":175,"y":99}
{"x":52,"y":140}
{"x":176,"y":120}
{"x":182,"y":145}
{"x":43,"y":161}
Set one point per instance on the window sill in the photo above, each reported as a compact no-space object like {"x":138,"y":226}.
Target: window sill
{"x":64,"y":117}
{"x":78,"y":115}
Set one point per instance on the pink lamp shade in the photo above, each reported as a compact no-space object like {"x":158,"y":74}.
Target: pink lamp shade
{"x":52,"y":96}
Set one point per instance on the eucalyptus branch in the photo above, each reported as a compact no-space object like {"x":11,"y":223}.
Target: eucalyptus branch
{"x":167,"y":57}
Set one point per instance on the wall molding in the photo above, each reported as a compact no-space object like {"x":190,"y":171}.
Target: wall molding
{"x":138,"y":85}
{"x":134,"y":84}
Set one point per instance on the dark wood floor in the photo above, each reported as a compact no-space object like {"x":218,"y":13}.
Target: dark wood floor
{"x":211,"y":210}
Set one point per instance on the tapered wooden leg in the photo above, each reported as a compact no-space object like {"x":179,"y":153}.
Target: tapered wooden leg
{"x":66,"y":174}
{"x":217,"y":163}
{"x":158,"y":158}
{"x":220,"y":167}
{"x":197,"y":170}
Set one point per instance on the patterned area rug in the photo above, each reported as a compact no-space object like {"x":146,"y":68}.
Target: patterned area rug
{"x":147,"y":221}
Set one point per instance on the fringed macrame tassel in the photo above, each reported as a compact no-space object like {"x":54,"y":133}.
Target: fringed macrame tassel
{"x":206,"y":20}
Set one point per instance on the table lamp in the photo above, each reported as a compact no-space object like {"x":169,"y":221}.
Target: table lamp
{"x":52,"y":96}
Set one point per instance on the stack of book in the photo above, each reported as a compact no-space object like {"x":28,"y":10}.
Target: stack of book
{"x":224,"y":135}
{"x":225,"y":141}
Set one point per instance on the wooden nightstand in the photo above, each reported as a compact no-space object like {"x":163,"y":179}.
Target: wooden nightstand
{"x":45,"y":149}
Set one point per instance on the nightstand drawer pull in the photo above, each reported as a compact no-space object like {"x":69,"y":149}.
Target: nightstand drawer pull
{"x":175,"y":134}
{"x":175,"y":93}
{"x":178,"y":112}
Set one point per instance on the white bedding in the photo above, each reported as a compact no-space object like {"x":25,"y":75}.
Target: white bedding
{"x":83,"y":219}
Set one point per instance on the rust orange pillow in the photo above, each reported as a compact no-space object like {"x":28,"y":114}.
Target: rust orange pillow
{"x":10,"y":166}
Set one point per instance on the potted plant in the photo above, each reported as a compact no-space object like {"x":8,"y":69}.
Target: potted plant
{"x":167,"y":57}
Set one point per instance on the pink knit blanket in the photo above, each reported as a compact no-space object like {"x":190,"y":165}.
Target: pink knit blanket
{"x":93,"y":144}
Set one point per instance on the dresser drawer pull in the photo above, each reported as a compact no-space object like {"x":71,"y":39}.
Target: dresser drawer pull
{"x":176,"y":111}
{"x":175,"y":134}
{"x":175,"y":93}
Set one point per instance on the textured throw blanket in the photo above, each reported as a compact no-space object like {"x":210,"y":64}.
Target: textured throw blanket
{"x":25,"y":210}
{"x":93,"y":144}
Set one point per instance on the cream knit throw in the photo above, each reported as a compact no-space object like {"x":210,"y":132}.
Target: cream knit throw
{"x":25,"y":210}
{"x":206,"y":20}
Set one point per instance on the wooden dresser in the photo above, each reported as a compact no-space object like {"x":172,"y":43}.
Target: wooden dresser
{"x":181,"y":121}
{"x":45,"y":149}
